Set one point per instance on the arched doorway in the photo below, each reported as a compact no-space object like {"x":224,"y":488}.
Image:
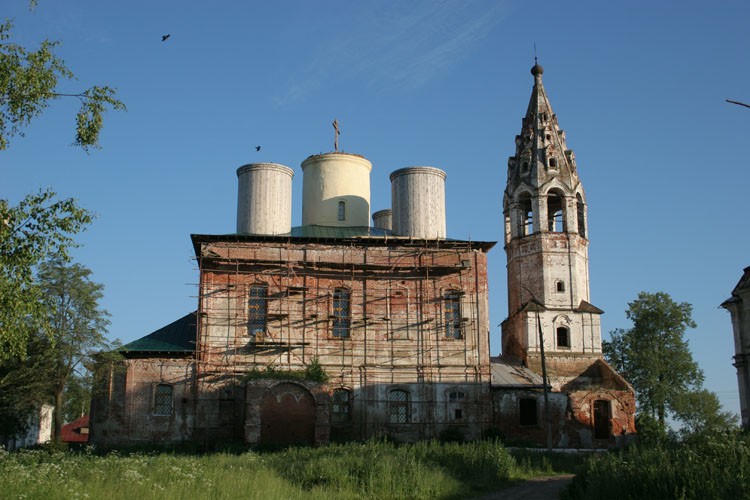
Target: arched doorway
{"x":287,"y":415}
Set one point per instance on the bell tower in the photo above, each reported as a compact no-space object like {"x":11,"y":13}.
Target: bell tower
{"x":546,"y":243}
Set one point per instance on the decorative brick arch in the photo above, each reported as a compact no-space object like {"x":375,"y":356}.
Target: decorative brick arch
{"x":287,"y":415}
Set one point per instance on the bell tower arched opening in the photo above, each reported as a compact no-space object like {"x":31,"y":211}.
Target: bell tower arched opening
{"x":556,"y":212}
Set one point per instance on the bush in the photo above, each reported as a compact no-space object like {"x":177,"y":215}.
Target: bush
{"x":710,"y":466}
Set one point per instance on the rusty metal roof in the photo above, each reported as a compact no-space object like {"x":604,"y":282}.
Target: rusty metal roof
{"x":513,"y":375}
{"x":177,"y":337}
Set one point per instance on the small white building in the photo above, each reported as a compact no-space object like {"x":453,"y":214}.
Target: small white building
{"x":38,"y":430}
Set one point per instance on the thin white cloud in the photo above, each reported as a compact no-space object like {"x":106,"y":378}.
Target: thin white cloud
{"x":398,"y":44}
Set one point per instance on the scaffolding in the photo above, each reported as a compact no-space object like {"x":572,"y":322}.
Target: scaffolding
{"x":397,"y":321}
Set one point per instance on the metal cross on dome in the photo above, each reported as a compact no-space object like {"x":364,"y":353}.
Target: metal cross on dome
{"x":336,"y":135}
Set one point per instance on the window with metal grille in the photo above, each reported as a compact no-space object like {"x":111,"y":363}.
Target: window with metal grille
{"x":341,"y":406}
{"x":257,"y":316}
{"x":452,"y":312}
{"x":342,"y":210}
{"x":398,"y":407}
{"x":341,"y":312}
{"x":527,"y":411}
{"x":163,"y":399}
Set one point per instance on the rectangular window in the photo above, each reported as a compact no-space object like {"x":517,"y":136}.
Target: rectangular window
{"x":398,"y":407}
{"x":342,"y":211}
{"x":452,"y":313}
{"x":527,"y":411}
{"x":257,"y":310}
{"x":342,"y":313}
{"x":163,"y":399}
{"x":563,"y":337}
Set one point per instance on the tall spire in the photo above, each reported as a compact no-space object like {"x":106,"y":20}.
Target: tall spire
{"x":541,"y":151}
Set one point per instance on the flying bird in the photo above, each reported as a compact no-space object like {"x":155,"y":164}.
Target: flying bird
{"x":257,"y":148}
{"x":164,"y":37}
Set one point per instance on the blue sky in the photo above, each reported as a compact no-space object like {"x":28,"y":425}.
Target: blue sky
{"x":639,"y":88}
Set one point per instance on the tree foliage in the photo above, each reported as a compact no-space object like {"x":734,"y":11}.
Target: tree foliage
{"x":700,"y":412}
{"x":25,"y":384}
{"x":654,"y":355}
{"x":29,"y":82}
{"x":76,"y":323}
{"x":39,"y":228}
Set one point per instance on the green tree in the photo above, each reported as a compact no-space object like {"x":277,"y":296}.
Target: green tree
{"x":39,"y":228}
{"x":77,"y":324}
{"x":29,"y":82}
{"x":654,"y":355}
{"x":77,"y":396}
{"x":25,"y":384}
{"x":700,"y":411}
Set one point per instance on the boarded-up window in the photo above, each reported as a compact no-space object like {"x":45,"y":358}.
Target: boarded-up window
{"x":398,"y":407}
{"x":527,"y":411}
{"x":341,"y":406}
{"x":452,"y":314}
{"x":257,"y":311}
{"x":341,"y":312}
{"x":163,"y":399}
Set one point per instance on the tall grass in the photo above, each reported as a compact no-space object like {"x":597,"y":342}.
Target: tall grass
{"x":706,"y":467}
{"x":346,"y":471}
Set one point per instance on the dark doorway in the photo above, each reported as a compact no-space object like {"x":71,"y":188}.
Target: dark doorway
{"x":287,"y":416}
{"x":602,"y":416}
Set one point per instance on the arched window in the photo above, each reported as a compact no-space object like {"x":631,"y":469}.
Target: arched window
{"x":398,"y":407}
{"x":454,"y":396}
{"x":341,"y":406}
{"x":602,"y":419}
{"x":507,"y":226}
{"x":342,"y":319}
{"x":581,"y":212}
{"x":452,"y":314}
{"x":526,"y":215}
{"x":257,"y":310}
{"x":560,"y":286}
{"x":553,"y":163}
{"x":555,"y":214}
{"x":163,"y":400}
{"x":563,"y":337}
{"x":342,"y":211}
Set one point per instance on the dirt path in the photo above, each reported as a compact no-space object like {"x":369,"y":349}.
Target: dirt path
{"x":540,"y":488}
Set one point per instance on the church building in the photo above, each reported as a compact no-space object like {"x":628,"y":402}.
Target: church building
{"x":340,"y":329}
{"x":738,"y":305}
